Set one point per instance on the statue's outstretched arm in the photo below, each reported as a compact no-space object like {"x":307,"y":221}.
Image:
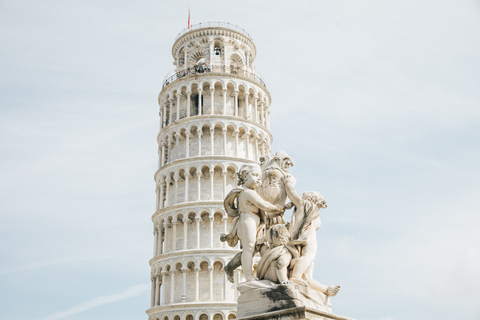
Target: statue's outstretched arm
{"x":258,"y":202}
{"x":291,"y":193}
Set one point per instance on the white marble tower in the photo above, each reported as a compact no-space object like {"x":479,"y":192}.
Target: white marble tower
{"x":214,"y":117}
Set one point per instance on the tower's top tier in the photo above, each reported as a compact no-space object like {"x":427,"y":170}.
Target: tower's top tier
{"x":214,"y":46}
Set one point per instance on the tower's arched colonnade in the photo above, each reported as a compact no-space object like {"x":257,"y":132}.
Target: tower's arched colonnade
{"x":214,"y":117}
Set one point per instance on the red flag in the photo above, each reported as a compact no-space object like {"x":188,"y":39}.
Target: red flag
{"x":188,"y":17}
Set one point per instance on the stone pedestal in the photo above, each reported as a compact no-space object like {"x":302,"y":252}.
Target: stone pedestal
{"x":297,"y":313}
{"x":267,"y":300}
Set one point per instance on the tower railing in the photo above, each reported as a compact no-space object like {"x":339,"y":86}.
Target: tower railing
{"x":175,"y":75}
{"x":214,"y":24}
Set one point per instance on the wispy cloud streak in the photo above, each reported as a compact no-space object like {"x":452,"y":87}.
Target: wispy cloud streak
{"x":98,"y":301}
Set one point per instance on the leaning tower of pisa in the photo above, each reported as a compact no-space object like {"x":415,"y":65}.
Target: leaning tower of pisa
{"x":214,"y":117}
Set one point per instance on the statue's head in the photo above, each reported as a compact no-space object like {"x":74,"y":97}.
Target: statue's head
{"x":280,"y":160}
{"x":278,"y":235}
{"x":315,"y":198}
{"x":283,"y":159}
{"x":245,"y":170}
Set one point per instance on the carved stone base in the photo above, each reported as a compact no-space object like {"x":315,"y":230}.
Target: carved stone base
{"x":258,"y":298}
{"x":298,"y":313}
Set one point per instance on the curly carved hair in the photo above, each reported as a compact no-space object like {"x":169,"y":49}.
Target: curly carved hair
{"x":315,"y":198}
{"x":278,"y":235}
{"x":244,"y":171}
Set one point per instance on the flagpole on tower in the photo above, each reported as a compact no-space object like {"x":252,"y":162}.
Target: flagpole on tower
{"x":188,"y":16}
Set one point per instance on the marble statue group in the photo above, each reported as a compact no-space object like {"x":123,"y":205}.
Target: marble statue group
{"x":257,"y":207}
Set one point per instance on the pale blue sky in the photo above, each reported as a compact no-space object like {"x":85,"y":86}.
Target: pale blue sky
{"x":377,"y":102}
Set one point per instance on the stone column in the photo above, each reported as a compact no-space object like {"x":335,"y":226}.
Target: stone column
{"x":160,"y":114}
{"x":188,"y":102}
{"x":261,"y":113}
{"x":164,"y":115}
{"x":255,"y":117}
{"x":160,"y":240}
{"x":159,"y":156}
{"x":211,"y":183}
{"x":187,"y":177}
{"x":167,"y":238}
{"x":172,"y":287}
{"x":185,"y":232}
{"x":187,"y":144}
{"x":199,"y":175}
{"x":177,"y":144}
{"x":174,"y":235}
{"x":224,"y":132}
{"x":184,"y":288}
{"x":212,"y":95}
{"x":177,"y":107}
{"x":199,"y":135}
{"x":155,"y":243}
{"x":157,"y":291}
{"x":224,"y":176}
{"x":171,"y":110}
{"x":210,"y":271}
{"x":175,"y":182}
{"x":161,"y":195}
{"x":246,"y":106}
{"x":212,"y":133}
{"x":256,"y":149}
{"x":153,"y":292}
{"x":197,"y":220}
{"x":167,"y":158}
{"x":157,"y":198}
{"x":200,"y":102}
{"x":211,"y":231}
{"x":247,"y":145}
{"x":225,"y":285}
{"x":163,"y":154}
{"x":197,"y":269}
{"x":224,"y":101}
{"x":236,"y":143}
{"x":168,"y":180}
{"x":236,"y":103}
{"x":164,"y":274}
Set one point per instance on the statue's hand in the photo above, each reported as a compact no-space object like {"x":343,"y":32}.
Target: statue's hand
{"x":289,"y":179}
{"x":278,"y":208}
{"x":288,"y":206}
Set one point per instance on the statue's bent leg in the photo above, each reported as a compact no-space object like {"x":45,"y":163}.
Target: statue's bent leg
{"x":232,"y":265}
{"x":247,"y":232}
{"x":282,"y":263}
{"x":303,"y":264}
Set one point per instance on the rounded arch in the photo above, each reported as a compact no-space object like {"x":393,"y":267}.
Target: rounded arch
{"x":236,"y":60}
{"x":196,"y":55}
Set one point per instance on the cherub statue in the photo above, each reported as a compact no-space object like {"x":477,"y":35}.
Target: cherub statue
{"x":303,"y":226}
{"x":250,"y":217}
{"x":275,"y":261}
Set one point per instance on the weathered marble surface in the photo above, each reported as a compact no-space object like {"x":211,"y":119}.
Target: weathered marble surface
{"x":297,"y":313}
{"x":258,"y":297}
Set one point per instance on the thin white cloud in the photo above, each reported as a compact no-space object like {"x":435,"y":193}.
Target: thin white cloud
{"x":42,"y":264}
{"x":98,"y":301}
